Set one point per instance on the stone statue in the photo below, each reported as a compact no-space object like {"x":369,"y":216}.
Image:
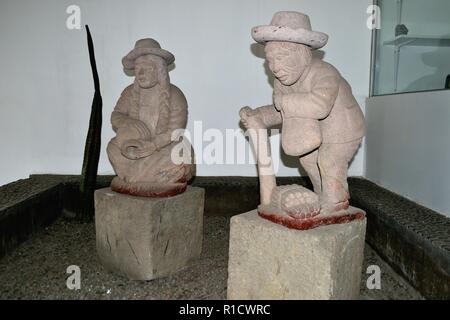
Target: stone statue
{"x":322,"y":123}
{"x":147,"y":120}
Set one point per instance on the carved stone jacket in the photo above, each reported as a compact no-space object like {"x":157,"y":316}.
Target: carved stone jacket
{"x":324,"y":95}
{"x":165,"y":120}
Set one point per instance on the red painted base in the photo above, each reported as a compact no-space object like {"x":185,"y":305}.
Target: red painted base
{"x":316,"y":221}
{"x":151,"y":194}
{"x":147,"y":189}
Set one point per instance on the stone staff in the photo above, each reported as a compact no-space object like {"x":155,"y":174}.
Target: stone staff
{"x":261,"y":147}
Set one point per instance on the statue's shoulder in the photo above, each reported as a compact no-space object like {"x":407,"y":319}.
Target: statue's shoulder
{"x":126,"y":93}
{"x":177,"y":96}
{"x":128,"y":89}
{"x":125,"y":98}
{"x":323,"y":68}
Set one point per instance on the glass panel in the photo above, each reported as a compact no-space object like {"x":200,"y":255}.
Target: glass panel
{"x":412,"y":46}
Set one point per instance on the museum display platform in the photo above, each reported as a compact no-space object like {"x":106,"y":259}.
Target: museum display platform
{"x":29,"y":206}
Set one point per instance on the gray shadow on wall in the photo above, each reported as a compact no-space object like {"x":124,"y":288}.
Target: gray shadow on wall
{"x":318,"y":54}
{"x":440,"y":65}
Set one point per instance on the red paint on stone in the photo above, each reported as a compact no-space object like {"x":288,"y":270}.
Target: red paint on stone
{"x":141,"y":191}
{"x":310,"y":223}
{"x":304,"y":215}
{"x":151,"y":194}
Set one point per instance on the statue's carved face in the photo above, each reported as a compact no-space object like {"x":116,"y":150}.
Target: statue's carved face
{"x":287,"y":60}
{"x":146,"y":71}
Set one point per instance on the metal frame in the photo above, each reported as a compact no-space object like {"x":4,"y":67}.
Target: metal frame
{"x":373,"y":57}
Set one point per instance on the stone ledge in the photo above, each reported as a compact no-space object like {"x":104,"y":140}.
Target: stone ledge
{"x":27,"y":206}
{"x":418,"y":251}
{"x":413,"y":239}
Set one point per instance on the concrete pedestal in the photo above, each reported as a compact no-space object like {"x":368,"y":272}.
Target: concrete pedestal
{"x":146,"y":238}
{"x":270,"y":261}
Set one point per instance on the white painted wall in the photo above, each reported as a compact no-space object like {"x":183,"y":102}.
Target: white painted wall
{"x":46,"y":86}
{"x":407,"y":146}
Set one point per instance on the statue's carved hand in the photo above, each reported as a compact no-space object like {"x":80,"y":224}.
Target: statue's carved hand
{"x":142,"y":128}
{"x":278,"y":102}
{"x":250,"y":118}
{"x":139,"y":126}
{"x":161,"y":140}
{"x":134,"y":149}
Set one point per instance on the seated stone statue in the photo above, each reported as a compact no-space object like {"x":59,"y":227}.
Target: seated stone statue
{"x":146,"y":119}
{"x":322,"y":123}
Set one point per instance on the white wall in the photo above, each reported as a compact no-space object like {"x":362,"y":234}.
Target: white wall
{"x":407,"y":146}
{"x":46,"y":87}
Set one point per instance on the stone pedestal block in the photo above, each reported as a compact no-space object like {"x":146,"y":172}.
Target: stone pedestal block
{"x":270,"y":261}
{"x":146,"y":238}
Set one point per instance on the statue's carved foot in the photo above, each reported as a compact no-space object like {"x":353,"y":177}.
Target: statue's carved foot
{"x":296,"y":207}
{"x":327,"y":209}
{"x":342,"y":216}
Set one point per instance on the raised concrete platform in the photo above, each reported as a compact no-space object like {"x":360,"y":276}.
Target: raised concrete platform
{"x":270,"y":261}
{"x":413,"y":239}
{"x":146,"y":238}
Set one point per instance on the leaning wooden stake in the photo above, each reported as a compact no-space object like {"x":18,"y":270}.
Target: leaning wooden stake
{"x":93,"y":141}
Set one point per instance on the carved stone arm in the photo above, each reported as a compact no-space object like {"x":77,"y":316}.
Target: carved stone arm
{"x":119,"y":120}
{"x":269,"y":115}
{"x":119,"y":117}
{"x":316,"y":104}
{"x":162,"y":140}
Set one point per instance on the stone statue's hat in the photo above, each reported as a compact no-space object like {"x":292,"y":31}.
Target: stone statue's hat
{"x":144,"y":47}
{"x":290,"y":26}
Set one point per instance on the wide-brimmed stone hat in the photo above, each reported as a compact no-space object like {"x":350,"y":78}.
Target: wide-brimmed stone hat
{"x":290,"y":26}
{"x":144,"y":47}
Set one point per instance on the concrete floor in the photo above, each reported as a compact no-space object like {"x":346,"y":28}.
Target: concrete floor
{"x":37,"y":269}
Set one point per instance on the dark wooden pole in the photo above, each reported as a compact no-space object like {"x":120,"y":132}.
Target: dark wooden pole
{"x":93,"y":142}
